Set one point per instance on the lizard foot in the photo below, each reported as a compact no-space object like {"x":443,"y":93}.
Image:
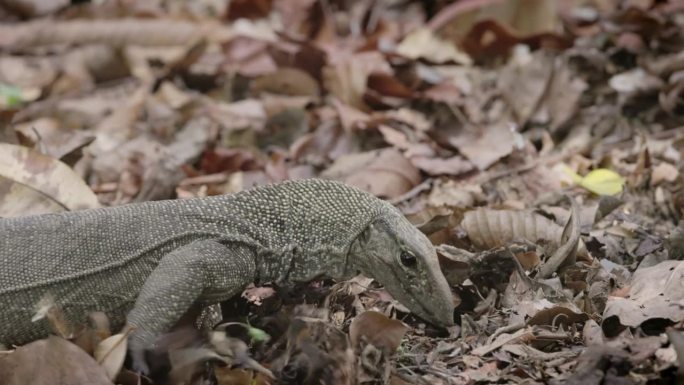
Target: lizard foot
{"x":139,"y":364}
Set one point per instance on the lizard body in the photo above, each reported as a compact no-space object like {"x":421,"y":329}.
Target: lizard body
{"x":147,"y":263}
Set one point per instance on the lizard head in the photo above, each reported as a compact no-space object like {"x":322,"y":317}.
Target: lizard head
{"x":396,"y":254}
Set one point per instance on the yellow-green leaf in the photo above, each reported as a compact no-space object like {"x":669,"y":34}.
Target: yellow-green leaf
{"x":603,"y":181}
{"x":258,"y":334}
{"x":576,"y":178}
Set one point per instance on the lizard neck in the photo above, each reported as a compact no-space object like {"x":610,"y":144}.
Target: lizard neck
{"x":311,"y":265}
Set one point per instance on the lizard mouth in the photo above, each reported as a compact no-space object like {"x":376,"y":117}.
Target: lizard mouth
{"x":419,"y":308}
{"x":433,"y":319}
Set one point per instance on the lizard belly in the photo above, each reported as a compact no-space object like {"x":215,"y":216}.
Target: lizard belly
{"x":111,"y":291}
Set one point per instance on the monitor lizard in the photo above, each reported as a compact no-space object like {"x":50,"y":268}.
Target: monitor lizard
{"x":148,"y":263}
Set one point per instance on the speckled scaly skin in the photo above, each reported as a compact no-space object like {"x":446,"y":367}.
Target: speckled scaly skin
{"x":149,"y":262}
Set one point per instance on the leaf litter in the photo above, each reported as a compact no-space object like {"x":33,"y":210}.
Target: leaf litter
{"x":538,"y":144}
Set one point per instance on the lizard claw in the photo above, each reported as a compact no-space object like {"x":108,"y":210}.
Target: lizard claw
{"x":139,"y":364}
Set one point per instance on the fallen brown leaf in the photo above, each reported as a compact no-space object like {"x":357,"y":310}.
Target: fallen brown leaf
{"x":384,"y":173}
{"x":49,"y":360}
{"x":378,"y":330}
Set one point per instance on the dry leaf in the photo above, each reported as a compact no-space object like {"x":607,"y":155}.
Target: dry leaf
{"x":663,"y":172}
{"x":424,"y":44}
{"x":455,"y":165}
{"x":635,"y":81}
{"x":563,"y":96}
{"x":46,"y":361}
{"x":488,"y":229}
{"x":347,"y":79}
{"x":654,"y":292}
{"x":52,"y":179}
{"x":286,"y":81}
{"x":145,"y":32}
{"x":524,"y":82}
{"x":384,"y":173}
{"x":486,"y":146}
{"x":111,"y":352}
{"x":378,"y":330}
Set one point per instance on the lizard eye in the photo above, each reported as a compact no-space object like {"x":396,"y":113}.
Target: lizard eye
{"x":408,"y":259}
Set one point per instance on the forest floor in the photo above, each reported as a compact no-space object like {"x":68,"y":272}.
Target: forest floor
{"x":538,"y":144}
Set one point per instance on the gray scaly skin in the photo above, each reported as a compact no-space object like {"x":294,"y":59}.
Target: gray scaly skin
{"x":148,"y":263}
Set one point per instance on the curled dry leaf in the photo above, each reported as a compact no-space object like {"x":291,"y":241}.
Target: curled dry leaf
{"x":48,"y":180}
{"x":378,"y":330}
{"x":111,"y":352}
{"x":654,"y":292}
{"x":488,"y":228}
{"x":566,"y":253}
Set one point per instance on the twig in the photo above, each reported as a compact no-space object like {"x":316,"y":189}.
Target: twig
{"x":569,"y":249}
{"x":677,"y":342}
{"x":505,"y":329}
{"x":425,"y":185}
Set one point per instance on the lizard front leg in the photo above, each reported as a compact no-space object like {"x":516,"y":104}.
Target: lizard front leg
{"x":203,"y":271}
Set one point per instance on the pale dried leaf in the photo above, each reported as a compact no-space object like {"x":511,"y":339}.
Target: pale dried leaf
{"x":385,"y":173}
{"x":19,"y":200}
{"x":488,"y":229}
{"x":44,"y":361}
{"x":654,"y":292}
{"x":524,"y":82}
{"x":28,"y":74}
{"x":562,"y":98}
{"x":424,"y":44}
{"x":346,"y":80}
{"x":487,"y":145}
{"x":110,"y":354}
{"x":48,"y":176}
{"x":455,"y":165}
{"x":119,"y":32}
{"x":635,"y":81}
{"x":663,"y":172}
